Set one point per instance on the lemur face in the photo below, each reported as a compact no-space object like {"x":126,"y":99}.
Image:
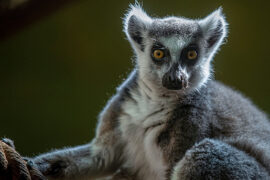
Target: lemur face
{"x":174,"y":53}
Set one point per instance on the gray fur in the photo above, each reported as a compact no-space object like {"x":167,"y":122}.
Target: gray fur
{"x":147,"y":131}
{"x":171,"y":26}
{"x":217,"y":112}
{"x":213,"y":159}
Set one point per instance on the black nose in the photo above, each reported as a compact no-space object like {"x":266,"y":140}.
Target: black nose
{"x":172,"y":82}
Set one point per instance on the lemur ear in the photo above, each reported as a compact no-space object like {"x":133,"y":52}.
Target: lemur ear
{"x":136,"y":23}
{"x":214,"y":29}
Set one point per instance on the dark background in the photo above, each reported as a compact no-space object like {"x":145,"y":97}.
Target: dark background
{"x":57,"y":74}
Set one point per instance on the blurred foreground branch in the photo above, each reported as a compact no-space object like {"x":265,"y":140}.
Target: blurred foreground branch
{"x":17,"y":14}
{"x":13,"y":166}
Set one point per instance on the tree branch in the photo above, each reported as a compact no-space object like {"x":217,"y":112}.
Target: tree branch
{"x":17,"y":14}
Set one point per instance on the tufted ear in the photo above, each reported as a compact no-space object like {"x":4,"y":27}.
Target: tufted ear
{"x":136,"y":23}
{"x":214,"y":29}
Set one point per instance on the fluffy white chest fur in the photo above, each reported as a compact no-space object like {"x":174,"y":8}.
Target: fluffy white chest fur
{"x":142,"y":120}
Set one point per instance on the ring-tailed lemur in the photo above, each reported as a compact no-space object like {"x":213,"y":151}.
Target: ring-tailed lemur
{"x":169,"y":119}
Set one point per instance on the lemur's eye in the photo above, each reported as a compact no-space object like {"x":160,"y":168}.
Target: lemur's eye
{"x":192,"y":54}
{"x":158,"y":54}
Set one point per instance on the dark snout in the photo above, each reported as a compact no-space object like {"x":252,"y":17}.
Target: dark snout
{"x":174,"y":80}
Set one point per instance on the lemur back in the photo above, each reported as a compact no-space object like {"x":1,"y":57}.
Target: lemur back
{"x":170,"y":119}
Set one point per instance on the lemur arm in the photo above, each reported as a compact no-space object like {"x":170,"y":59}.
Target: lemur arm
{"x":214,"y":159}
{"x":91,"y":160}
{"x":99,"y":158}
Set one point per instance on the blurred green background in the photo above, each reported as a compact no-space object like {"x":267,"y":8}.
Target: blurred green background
{"x":57,"y":74}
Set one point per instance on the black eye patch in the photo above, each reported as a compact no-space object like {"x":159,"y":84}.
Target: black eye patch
{"x":158,"y":47}
{"x":190,"y":54}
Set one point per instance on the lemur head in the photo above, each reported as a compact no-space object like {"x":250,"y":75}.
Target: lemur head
{"x":174,"y":53}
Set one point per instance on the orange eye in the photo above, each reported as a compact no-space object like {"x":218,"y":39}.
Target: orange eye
{"x":158,"y":54}
{"x":192,"y":54}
